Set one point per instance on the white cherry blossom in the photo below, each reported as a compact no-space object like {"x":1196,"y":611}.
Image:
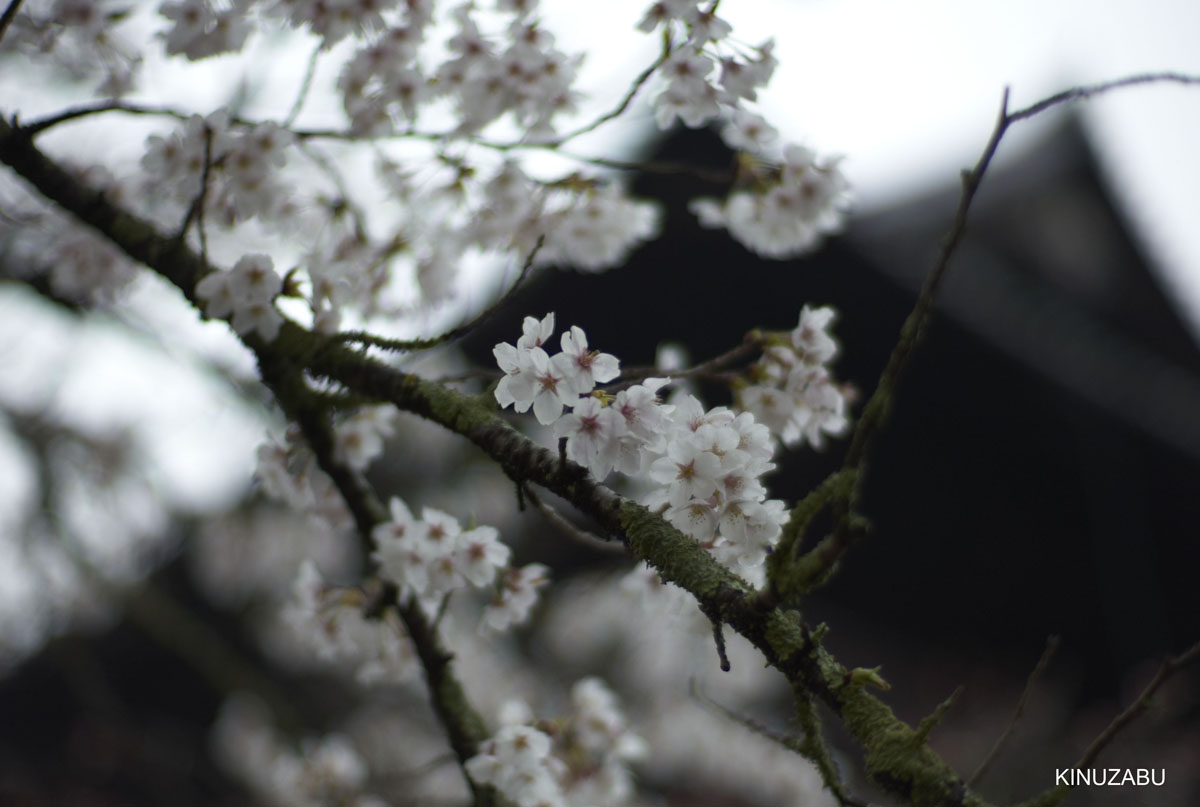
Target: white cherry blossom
{"x":583,"y":369}
{"x":593,"y":433}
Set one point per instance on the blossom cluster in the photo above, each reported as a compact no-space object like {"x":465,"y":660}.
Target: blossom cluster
{"x":484,"y":77}
{"x":431,"y":557}
{"x":518,"y":763}
{"x":79,"y":37}
{"x":532,"y":378}
{"x":704,"y":466}
{"x":247,"y":292}
{"x":708,"y":469}
{"x":585,"y":224}
{"x":334,"y":20}
{"x":788,"y":200}
{"x":329,"y":621}
{"x":249,"y":558}
{"x":240,"y":164}
{"x":791,"y":388}
{"x":479,"y":211}
{"x":693,"y":93}
{"x":581,"y":758}
{"x":787,"y":209}
{"x":201,"y":29}
{"x":84,"y":266}
{"x":515,"y":596}
{"x":358,"y":438}
{"x":487,"y":65}
{"x":287,"y":469}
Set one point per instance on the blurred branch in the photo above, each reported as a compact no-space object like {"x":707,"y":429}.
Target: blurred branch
{"x":878,"y":408}
{"x":305,"y":87}
{"x":812,"y":746}
{"x":1051,"y":646}
{"x":464,"y":727}
{"x":751,"y":344}
{"x":1165,"y":671}
{"x":195,"y":211}
{"x":567,"y":528}
{"x":85,"y":110}
{"x":304,"y":135}
{"x":1084,"y":92}
{"x":8,"y":16}
{"x":623,"y":104}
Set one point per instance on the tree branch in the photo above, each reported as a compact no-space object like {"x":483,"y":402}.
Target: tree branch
{"x":464,"y":727}
{"x":1166,"y":670}
{"x":878,"y":408}
{"x":9,"y":15}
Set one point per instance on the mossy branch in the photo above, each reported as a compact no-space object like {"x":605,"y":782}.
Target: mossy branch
{"x":463,"y":725}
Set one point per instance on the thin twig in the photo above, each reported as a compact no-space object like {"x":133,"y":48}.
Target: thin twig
{"x":567,"y":528}
{"x":1087,"y":91}
{"x":85,"y":110}
{"x":196,"y":210}
{"x":305,"y":86}
{"x":931,"y":721}
{"x":323,"y":163}
{"x":878,"y":408}
{"x":1052,"y":643}
{"x":811,"y":746}
{"x":418,"y":771}
{"x":751,"y":344}
{"x":620,"y":108}
{"x":713,"y":614}
{"x":1165,"y":671}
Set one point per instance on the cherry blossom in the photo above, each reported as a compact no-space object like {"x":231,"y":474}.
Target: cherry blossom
{"x":593,"y":433}
{"x":583,"y":369}
{"x":515,"y":597}
{"x":246,"y":292}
